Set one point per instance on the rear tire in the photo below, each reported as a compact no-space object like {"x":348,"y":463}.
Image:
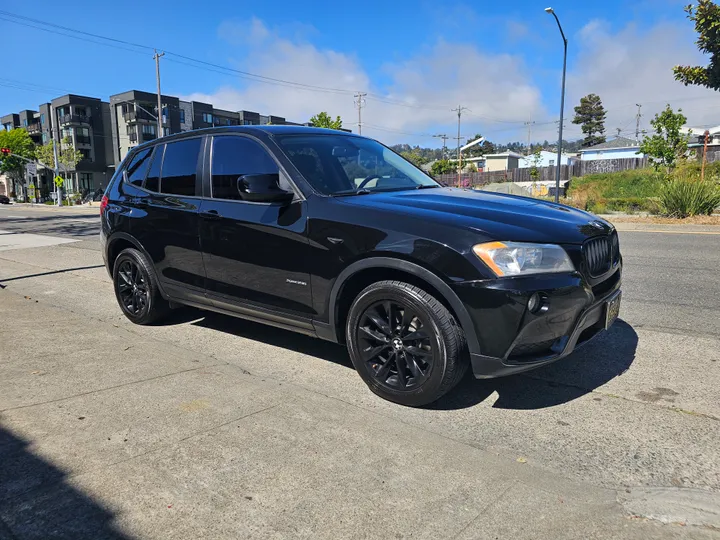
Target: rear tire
{"x":405,"y":344}
{"x":136,"y":288}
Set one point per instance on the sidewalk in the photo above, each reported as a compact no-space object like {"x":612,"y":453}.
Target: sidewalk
{"x":107,"y":433}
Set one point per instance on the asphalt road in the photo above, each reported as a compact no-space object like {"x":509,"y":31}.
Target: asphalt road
{"x":628,"y":425}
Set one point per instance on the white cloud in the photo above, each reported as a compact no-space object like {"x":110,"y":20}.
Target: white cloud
{"x":491,"y":86}
{"x":632,"y":66}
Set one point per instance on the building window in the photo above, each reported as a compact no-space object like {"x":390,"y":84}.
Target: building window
{"x":149,"y":129}
{"x":207,"y":117}
{"x":182,"y":116}
{"x":25,"y":122}
{"x":44,"y":138}
{"x":85,"y":154}
{"x":80,"y":111}
{"x":552,"y":162}
{"x":42,"y":118}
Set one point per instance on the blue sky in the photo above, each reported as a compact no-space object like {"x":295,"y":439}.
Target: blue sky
{"x":416,"y":59}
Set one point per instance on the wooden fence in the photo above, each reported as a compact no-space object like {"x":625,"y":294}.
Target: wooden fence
{"x":545,"y":174}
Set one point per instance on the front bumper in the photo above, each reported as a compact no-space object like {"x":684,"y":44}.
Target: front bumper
{"x":512,"y":340}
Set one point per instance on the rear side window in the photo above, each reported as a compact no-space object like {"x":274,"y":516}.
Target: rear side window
{"x":137,"y":168}
{"x":233,"y":157}
{"x":153,"y":178}
{"x":179,"y":167}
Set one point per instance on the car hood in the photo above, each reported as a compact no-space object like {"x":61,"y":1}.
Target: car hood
{"x":497,"y":215}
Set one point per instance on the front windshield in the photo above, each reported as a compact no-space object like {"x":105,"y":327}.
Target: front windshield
{"x":346,"y":165}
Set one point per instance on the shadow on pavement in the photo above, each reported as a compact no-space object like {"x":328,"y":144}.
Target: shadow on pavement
{"x":37,"y":502}
{"x":55,"y":225}
{"x":593,"y":365}
{"x":3,"y":280}
{"x":607,"y":356}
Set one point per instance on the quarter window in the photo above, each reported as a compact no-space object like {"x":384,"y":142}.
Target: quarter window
{"x":137,"y":168}
{"x":233,"y":157}
{"x":179,"y":167}
{"x":153,"y":178}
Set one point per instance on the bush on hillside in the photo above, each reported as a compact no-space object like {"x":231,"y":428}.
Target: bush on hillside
{"x":684,"y":197}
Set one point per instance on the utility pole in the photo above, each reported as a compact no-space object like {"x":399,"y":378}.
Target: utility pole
{"x":619,"y":130}
{"x":360,"y":103}
{"x":529,"y":125}
{"x":444,"y":138}
{"x":159,"y":99}
{"x":459,"y":111}
{"x":637,"y":123}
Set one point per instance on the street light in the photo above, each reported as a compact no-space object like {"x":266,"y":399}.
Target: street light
{"x":562,"y":106}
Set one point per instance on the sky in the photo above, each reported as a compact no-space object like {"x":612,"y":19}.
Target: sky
{"x":416,"y":60}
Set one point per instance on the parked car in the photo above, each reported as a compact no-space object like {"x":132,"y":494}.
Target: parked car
{"x":4,"y":199}
{"x":334,"y":235}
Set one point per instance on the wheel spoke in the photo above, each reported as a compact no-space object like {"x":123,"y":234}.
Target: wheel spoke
{"x":382,"y":373}
{"x":400,"y":365}
{"x":377,"y":319}
{"x":390,"y":312}
{"x":413,"y":366}
{"x":372,"y":334}
{"x":371,"y":353}
{"x":407,"y":319}
{"x":416,"y":335}
{"x":418,"y":351}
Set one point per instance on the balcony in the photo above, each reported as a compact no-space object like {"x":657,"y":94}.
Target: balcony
{"x":34,"y":128}
{"x":133,"y":137}
{"x":74,"y":119}
{"x":136,"y":116}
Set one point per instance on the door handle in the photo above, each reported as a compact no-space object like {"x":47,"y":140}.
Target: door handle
{"x":210,"y":214}
{"x":141,"y":201}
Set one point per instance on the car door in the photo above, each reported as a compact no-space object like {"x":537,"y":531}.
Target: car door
{"x":255,"y":253}
{"x":170,"y":232}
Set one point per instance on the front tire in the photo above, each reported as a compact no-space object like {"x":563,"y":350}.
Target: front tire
{"x":136,"y":288}
{"x":405,"y":344}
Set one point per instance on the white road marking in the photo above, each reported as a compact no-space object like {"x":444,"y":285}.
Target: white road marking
{"x":12,"y":240}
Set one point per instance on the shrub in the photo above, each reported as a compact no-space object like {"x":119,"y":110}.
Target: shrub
{"x":682,"y":197}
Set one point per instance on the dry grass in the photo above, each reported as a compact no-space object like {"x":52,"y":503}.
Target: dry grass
{"x":695,"y":220}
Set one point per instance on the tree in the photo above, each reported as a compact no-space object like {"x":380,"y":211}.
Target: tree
{"x":667,"y":145}
{"x":442,"y":166}
{"x":20,"y":144}
{"x":590,"y":114}
{"x":485,"y":147}
{"x":324,"y":120}
{"x":415,"y":157}
{"x":706,"y":16}
{"x":68,"y":157}
{"x":535,"y":159}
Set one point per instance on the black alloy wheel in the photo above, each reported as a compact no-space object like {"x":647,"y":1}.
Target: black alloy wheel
{"x":404,"y":343}
{"x":132,"y":288}
{"x":136,"y":288}
{"x":396,"y":345}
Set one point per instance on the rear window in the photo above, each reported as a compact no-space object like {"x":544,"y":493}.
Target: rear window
{"x":179,"y":169}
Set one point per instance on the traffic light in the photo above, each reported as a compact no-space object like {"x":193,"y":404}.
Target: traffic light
{"x":5,"y":151}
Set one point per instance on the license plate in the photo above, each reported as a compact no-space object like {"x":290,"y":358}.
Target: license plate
{"x":612,"y":310}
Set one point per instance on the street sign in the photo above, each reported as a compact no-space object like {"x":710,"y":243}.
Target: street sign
{"x":59,"y":181}
{"x":31,"y":168}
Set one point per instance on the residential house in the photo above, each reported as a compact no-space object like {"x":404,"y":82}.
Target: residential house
{"x":503,"y":161}
{"x":545,"y":159}
{"x":696,"y":144}
{"x":617,"y":148}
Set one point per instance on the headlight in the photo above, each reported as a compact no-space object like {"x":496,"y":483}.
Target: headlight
{"x":517,"y":259}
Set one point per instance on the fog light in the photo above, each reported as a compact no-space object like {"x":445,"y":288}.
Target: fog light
{"x":534,"y":303}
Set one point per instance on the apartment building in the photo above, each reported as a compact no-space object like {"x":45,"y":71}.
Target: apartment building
{"x":133,"y":116}
{"x":81,"y":121}
{"x":103,"y":132}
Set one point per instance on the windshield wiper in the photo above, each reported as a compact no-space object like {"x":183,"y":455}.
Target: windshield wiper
{"x":363,"y":191}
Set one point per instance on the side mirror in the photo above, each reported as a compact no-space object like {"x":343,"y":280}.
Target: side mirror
{"x":263,"y":188}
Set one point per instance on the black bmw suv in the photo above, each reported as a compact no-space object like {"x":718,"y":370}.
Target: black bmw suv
{"x":336,"y":236}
